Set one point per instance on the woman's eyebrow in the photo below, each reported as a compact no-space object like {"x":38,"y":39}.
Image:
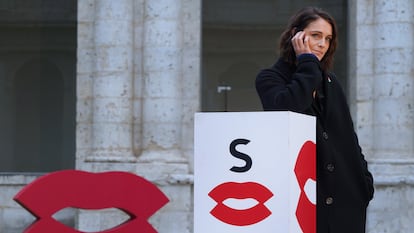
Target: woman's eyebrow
{"x":320,"y":32}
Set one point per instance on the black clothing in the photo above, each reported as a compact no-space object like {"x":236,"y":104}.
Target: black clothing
{"x":344,"y":184}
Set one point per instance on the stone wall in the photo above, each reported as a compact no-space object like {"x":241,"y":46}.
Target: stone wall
{"x":381,"y":95}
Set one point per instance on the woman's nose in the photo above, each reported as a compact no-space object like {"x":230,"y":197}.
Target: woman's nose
{"x":322,"y":43}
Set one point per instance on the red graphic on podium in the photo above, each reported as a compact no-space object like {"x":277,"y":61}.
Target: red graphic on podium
{"x":235,"y":190}
{"x":305,"y":169}
{"x":132,"y":194}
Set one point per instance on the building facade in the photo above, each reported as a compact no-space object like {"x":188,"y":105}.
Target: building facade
{"x":142,"y":68}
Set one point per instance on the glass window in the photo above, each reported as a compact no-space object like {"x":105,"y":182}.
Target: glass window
{"x":37,"y":85}
{"x":240,"y":37}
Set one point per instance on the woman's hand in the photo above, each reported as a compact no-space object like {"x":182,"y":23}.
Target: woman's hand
{"x":300,"y":43}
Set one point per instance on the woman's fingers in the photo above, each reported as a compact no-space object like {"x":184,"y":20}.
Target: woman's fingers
{"x":300,"y":43}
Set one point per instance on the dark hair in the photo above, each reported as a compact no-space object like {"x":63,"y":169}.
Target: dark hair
{"x":300,"y":21}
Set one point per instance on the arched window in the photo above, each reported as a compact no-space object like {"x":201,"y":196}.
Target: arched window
{"x":37,"y":85}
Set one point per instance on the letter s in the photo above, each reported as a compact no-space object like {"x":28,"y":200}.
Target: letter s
{"x":240,"y":155}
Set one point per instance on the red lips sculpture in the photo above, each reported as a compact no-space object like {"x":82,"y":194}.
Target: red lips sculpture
{"x":78,"y":189}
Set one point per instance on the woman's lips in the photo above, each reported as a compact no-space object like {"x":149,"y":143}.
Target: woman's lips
{"x":245,"y":190}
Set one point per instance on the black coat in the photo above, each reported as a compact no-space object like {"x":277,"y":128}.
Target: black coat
{"x":344,"y":184}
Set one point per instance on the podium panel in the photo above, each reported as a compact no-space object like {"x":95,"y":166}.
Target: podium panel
{"x":255,"y":172}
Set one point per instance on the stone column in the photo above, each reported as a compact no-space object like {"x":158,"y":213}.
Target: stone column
{"x":393,"y":89}
{"x":138,"y":89}
{"x":162,"y":73}
{"x":361,"y":71}
{"x":382,"y":79}
{"x":113,"y":82}
{"x":85,"y":69}
{"x":191,"y":58}
{"x":105,"y":93}
{"x":139,"y":19}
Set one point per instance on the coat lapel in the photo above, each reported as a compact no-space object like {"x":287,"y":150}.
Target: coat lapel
{"x":328,"y":89}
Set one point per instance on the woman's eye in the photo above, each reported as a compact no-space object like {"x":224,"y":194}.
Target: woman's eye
{"x":316,"y":36}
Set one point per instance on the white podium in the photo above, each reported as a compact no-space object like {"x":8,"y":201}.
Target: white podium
{"x":255,"y":172}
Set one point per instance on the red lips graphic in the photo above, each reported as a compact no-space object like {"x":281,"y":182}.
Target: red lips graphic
{"x":240,"y":191}
{"x":305,"y":169}
{"x":78,"y":189}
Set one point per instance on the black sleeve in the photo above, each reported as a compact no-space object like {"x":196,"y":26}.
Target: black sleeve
{"x":280,"y":92}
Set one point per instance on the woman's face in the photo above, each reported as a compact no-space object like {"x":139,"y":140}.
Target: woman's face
{"x":319,"y":33}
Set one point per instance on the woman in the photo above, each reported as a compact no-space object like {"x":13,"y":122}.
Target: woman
{"x":299,"y":81}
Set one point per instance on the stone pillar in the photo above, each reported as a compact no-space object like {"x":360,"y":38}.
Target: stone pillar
{"x":361,"y":71}
{"x":162,"y":70}
{"x":105,"y":91}
{"x":191,"y":63}
{"x":394,"y":82}
{"x":138,"y":89}
{"x":85,"y":67}
{"x":113,"y":82}
{"x":382,"y":81}
{"x":139,"y":22}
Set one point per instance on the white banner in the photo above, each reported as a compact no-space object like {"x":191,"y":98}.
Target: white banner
{"x":254,"y":172}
